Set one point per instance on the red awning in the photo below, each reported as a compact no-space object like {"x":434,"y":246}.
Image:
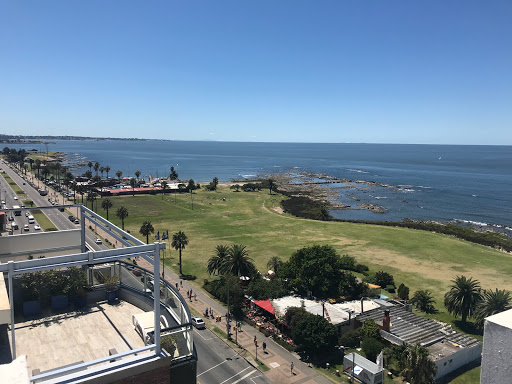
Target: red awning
{"x":265,"y":304}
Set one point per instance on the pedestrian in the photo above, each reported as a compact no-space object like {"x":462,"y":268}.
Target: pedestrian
{"x":195,"y":299}
{"x":211,"y":312}
{"x":264,"y":345}
{"x":291,"y":368}
{"x":190,"y":292}
{"x":178,"y":288}
{"x":181,"y":283}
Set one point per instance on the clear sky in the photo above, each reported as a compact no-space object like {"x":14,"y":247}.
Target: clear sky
{"x":266,"y":70}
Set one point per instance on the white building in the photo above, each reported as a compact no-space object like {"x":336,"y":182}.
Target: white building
{"x":362,"y":369}
{"x":497,"y":351}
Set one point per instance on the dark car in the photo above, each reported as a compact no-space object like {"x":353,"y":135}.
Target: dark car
{"x":11,"y":218}
{"x":71,"y":218}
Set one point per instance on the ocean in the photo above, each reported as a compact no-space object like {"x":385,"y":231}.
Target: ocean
{"x":468,"y":184}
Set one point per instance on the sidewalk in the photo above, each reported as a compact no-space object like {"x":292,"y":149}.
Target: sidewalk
{"x":276,"y":357}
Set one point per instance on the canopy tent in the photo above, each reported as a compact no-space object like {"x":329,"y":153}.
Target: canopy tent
{"x":265,"y":304}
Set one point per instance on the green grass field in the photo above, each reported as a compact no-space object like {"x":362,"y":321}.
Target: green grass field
{"x":15,"y":187}
{"x":43,"y":221}
{"x":419,"y":259}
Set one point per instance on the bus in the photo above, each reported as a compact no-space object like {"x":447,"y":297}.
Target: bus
{"x":17,"y":210}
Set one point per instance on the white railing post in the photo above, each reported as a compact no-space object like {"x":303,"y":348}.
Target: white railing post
{"x":11,"y":303}
{"x":156,"y":296}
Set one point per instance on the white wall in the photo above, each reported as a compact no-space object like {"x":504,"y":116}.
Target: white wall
{"x":458,"y":359}
{"x":497,"y":354}
{"x":12,"y":246}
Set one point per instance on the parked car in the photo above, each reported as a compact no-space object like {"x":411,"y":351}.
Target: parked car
{"x":3,"y":201}
{"x":11,"y":218}
{"x":26,"y":227}
{"x":61,"y":209}
{"x":137,"y":272}
{"x":76,"y":221}
{"x":98,"y":241}
{"x":37,"y":227}
{"x":71,"y":218}
{"x":198,"y":322}
{"x":15,"y":197}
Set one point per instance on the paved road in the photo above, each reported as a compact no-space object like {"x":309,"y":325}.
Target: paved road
{"x":59,"y":219}
{"x":217,"y":362}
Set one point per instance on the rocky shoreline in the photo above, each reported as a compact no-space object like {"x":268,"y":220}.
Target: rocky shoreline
{"x":314,"y":186}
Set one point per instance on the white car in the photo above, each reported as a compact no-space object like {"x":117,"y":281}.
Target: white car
{"x":98,"y":241}
{"x":37,"y":227}
{"x":26,"y":227}
{"x":15,"y":197}
{"x":198,"y":322}
{"x":3,"y":202}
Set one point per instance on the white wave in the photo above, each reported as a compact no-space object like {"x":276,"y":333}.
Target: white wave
{"x":380,"y":197}
{"x":407,"y":190}
{"x":474,"y":195}
{"x":356,"y":170}
{"x":247,"y":176}
{"x":472,"y":222}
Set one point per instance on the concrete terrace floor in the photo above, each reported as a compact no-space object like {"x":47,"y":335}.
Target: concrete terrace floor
{"x":70,"y":337}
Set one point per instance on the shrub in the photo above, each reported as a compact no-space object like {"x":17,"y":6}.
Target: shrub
{"x":348,"y":262}
{"x":370,"y":329}
{"x":403,"y":292}
{"x":390,"y":288}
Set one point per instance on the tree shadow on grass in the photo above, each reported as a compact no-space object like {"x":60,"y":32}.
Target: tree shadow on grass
{"x":452,"y":375}
{"x":468,"y":327}
{"x":188,"y":277}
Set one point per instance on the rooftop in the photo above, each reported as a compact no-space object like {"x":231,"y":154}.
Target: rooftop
{"x":504,"y":319}
{"x":406,"y":327}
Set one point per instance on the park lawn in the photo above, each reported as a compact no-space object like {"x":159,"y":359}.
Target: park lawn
{"x":419,"y":259}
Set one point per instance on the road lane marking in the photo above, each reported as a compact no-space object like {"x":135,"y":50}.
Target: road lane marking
{"x":215,"y":366}
{"x":204,"y":338}
{"x":252,"y":378}
{"x":249,"y":374}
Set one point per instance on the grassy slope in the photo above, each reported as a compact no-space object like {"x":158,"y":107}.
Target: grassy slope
{"x":419,"y":259}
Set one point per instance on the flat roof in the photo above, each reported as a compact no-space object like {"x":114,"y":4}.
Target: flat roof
{"x":363,"y":362}
{"x":77,"y":336}
{"x":503,"y":318}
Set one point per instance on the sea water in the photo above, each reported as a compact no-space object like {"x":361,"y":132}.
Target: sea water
{"x":430,"y":182}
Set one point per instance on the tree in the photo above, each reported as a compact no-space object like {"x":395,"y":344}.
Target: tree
{"x":492,"y":302}
{"x":191,"y":185}
{"x":236,"y":187}
{"x":370,"y":329}
{"x":133,"y":183}
{"x":384,"y":279}
{"x":173,"y":175}
{"x":418,"y":368}
{"x":179,"y":242}
{"x":107,"y":169}
{"x":238,"y":262}
{"x":270,"y":185}
{"x":89,"y":164}
{"x":348,"y":263}
{"x":137,"y":173}
{"x":371,"y":348}
{"x":215,"y":262}
{"x":102,"y":169}
{"x":215,"y":182}
{"x":87,"y":174}
{"x":315,"y":333}
{"x":119,"y":174}
{"x":91,"y":197}
{"x":106,"y":204}
{"x":122,"y":213}
{"x":463,"y":297}
{"x":96,"y":167}
{"x":314,"y":269}
{"x":274,"y":263}
{"x":146,"y":229}
{"x":424,"y":301}
{"x":403,"y":292}
{"x":164,"y":187}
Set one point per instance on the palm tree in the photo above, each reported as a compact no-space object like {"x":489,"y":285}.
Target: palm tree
{"x":418,"y":368}
{"x":216,"y":262}
{"x":492,"y":302}
{"x":146,"y":229}
{"x":423,"y":300}
{"x":173,"y":175}
{"x":102,"y":169}
{"x":91,"y":197}
{"x":463,"y":297}
{"x":107,"y":169}
{"x":274,"y":263}
{"x":270,"y":185}
{"x":238,"y":262}
{"x":106,"y":204}
{"x":89,"y":164}
{"x":96,"y":167}
{"x":38,"y":166}
{"x":137,"y":173}
{"x":164,"y":187}
{"x":119,"y":174}
{"x":133,"y":182}
{"x":122,"y":213}
{"x":179,"y":242}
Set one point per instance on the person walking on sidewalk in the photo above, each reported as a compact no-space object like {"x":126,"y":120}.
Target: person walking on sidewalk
{"x":291,"y":368}
{"x":264,"y":345}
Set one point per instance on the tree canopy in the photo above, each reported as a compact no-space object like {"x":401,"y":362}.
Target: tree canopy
{"x":463,"y":297}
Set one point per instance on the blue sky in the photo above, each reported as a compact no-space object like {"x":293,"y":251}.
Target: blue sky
{"x":304,"y":71}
